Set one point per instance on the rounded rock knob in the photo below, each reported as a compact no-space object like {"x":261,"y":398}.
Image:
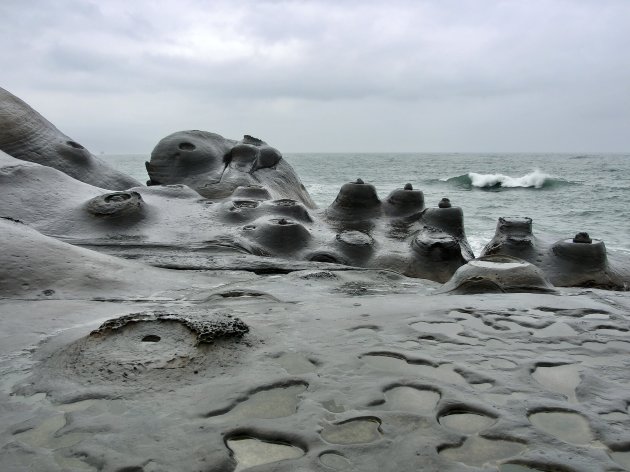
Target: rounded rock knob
{"x":582,"y":238}
{"x":118,"y":205}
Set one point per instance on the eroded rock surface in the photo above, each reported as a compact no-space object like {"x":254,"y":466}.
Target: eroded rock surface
{"x":217,"y":167}
{"x":325,"y":379}
{"x":27,"y":135}
{"x":579,"y":261}
{"x":297,"y":361}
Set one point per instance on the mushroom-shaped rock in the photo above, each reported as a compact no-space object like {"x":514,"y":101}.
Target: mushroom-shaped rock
{"x":355,"y":200}
{"x":450,"y":220}
{"x":581,"y":263}
{"x":278,"y":235}
{"x":497,"y":274}
{"x":404,"y":202}
{"x":514,"y":237}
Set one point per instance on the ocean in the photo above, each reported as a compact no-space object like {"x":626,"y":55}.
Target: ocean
{"x":563,"y":193}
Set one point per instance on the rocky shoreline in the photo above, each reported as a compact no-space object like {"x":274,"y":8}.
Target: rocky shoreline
{"x":216,"y":320}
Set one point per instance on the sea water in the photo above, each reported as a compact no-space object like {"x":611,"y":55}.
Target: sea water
{"x":563,"y":193}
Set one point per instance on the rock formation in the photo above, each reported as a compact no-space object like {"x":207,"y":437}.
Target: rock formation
{"x":27,"y":135}
{"x":290,"y":338}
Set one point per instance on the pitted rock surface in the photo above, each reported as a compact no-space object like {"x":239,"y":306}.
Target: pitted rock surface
{"x":342,"y":368}
{"x":207,"y":327}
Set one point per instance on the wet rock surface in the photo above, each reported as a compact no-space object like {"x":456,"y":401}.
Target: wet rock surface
{"x":266,"y":350}
{"x":172,"y":226}
{"x":361,"y":382}
{"x":579,"y":261}
{"x":325,"y":378}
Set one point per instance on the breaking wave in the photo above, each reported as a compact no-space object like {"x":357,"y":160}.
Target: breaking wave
{"x":536,"y":179}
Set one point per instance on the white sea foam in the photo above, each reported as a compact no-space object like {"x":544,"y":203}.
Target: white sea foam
{"x":534,"y":179}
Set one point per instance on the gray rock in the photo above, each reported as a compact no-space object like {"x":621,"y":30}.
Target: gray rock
{"x":27,"y":135}
{"x":571,"y":262}
{"x":216,"y":167}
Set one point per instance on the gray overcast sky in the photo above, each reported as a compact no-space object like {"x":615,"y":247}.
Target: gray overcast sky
{"x":441,"y":75}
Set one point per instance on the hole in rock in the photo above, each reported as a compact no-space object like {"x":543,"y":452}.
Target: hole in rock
{"x":117,"y":197}
{"x":187,"y":146}
{"x":151,"y":338}
{"x":74,"y":144}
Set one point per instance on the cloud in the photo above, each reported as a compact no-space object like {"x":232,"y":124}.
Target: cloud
{"x":271,"y":65}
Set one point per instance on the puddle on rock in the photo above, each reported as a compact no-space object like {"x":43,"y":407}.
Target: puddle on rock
{"x":295,"y":363}
{"x":335,"y":461}
{"x":621,"y":458}
{"x":273,"y":403}
{"x":560,"y":379}
{"x":355,"y":431}
{"x":43,"y":435}
{"x":399,"y":365}
{"x":477,"y":451}
{"x":410,"y":399}
{"x":466,"y":422}
{"x":333,"y":406}
{"x":250,"y":452}
{"x":564,"y":425}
